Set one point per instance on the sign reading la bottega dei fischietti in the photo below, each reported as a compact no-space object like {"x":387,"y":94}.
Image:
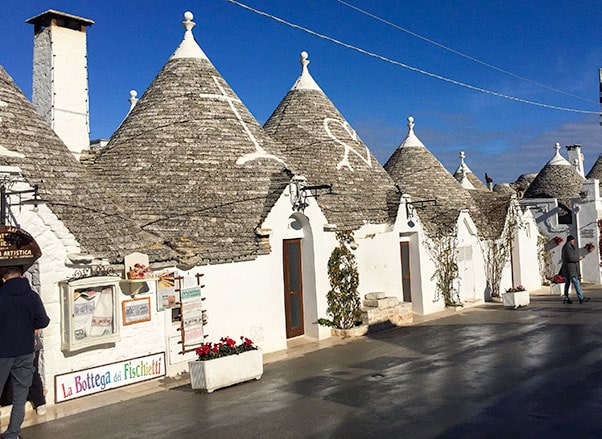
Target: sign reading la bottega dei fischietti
{"x":109,"y":376}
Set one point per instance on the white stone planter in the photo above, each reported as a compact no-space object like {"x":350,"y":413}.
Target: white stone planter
{"x":226,"y":371}
{"x":516,"y":300}
{"x":557,"y":289}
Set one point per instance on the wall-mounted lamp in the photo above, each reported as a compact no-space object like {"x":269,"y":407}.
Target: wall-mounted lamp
{"x":411,"y":207}
{"x":299,"y":191}
{"x":5,"y":203}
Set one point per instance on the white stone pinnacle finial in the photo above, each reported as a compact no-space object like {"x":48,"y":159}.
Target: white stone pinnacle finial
{"x":304,"y":59}
{"x":133,"y":99}
{"x":557,"y":148}
{"x":411,"y":123}
{"x":305,"y":81}
{"x":188,"y":23}
{"x":188,"y":48}
{"x":462,"y":156}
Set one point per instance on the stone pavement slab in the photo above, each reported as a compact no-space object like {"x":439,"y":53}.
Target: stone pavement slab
{"x":485,"y":372}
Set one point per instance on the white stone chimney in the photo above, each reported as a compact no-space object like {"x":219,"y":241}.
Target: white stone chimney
{"x":60,"y":76}
{"x":576,"y":158}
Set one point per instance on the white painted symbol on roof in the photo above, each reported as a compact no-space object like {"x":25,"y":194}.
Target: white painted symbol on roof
{"x":5,"y":152}
{"x":259,"y":153}
{"x":353,"y":135}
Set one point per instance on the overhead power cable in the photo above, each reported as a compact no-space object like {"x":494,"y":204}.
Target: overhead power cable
{"x":456,"y":52}
{"x":414,"y":69}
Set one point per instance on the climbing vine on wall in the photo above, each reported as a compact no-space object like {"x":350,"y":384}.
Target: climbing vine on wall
{"x":442,"y":246}
{"x":497,"y":251}
{"x":496,"y":256}
{"x":344,"y":305}
{"x":545,"y":258}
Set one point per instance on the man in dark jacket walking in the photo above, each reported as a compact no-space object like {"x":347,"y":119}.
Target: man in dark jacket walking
{"x":21,"y":313}
{"x":570,"y":270}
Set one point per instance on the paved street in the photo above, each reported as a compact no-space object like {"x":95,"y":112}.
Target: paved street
{"x":485,"y":372}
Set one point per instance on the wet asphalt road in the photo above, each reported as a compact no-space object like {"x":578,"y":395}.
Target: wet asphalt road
{"x":487,"y":372}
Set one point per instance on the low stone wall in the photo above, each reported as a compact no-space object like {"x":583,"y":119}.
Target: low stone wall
{"x":379,"y":313}
{"x":379,"y":310}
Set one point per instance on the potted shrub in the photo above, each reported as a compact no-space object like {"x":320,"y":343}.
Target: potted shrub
{"x":516,"y":297}
{"x":225,"y":363}
{"x":344,"y":304}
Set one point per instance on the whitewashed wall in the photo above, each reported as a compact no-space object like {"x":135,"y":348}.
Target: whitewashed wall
{"x":379,"y":261}
{"x":473,"y":280}
{"x":525,"y":254}
{"x":424,"y":297}
{"x":316,"y":249}
{"x":545,"y":212}
{"x":587,"y":213}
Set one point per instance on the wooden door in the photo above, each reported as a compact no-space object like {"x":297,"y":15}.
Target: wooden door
{"x":405,"y":271}
{"x":293,"y":288}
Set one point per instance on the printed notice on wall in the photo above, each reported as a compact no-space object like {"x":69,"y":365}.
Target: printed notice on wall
{"x":192,"y":316}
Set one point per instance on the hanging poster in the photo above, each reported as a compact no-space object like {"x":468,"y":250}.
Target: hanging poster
{"x":192,"y":316}
{"x":136,"y":311}
{"x":167,"y":294}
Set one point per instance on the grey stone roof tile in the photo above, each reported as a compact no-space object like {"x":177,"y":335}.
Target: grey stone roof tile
{"x":74,"y":195}
{"x":419,"y":174}
{"x":596,"y":171}
{"x":325,"y":149}
{"x":192,"y":165}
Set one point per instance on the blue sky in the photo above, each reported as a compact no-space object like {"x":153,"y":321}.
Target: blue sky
{"x":557,"y":43}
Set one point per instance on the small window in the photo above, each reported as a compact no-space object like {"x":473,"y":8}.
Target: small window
{"x":89,"y":309}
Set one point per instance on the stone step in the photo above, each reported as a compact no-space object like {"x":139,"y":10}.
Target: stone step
{"x":399,"y":315}
{"x":385,"y":302}
{"x":374,"y":296}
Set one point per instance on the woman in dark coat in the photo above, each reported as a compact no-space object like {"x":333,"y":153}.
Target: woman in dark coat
{"x":570,"y":270}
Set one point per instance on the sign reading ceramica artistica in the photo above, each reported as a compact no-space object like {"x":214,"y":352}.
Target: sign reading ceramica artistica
{"x":110,"y":376}
{"x":17,"y":248}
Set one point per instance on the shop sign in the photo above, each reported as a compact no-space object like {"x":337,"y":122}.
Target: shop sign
{"x":17,"y":247}
{"x":110,"y":376}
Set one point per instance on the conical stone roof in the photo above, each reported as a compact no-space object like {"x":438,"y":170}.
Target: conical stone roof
{"x":491,"y":212}
{"x":325,"y":149}
{"x":522,"y":183}
{"x":419,"y":174}
{"x":557,"y":179}
{"x":191,"y":164}
{"x":596,"y":171}
{"x":73,"y":194}
{"x":466,"y":177}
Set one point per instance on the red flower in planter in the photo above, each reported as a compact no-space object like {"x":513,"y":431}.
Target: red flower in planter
{"x":558,"y":279}
{"x":228,"y":341}
{"x":226,"y":346}
{"x":558,"y":240}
